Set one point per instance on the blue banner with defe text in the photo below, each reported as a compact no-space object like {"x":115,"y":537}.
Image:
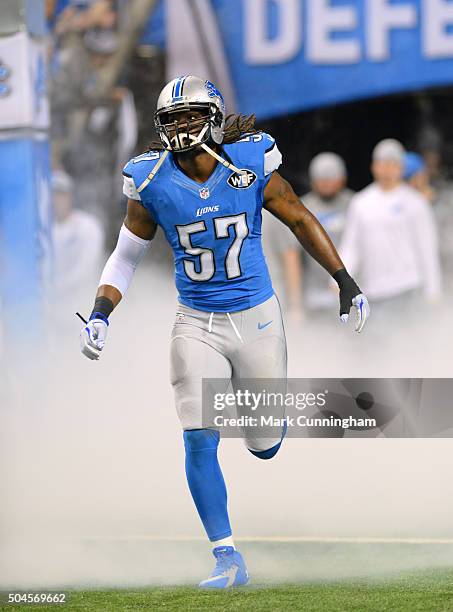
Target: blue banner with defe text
{"x":291,"y":55}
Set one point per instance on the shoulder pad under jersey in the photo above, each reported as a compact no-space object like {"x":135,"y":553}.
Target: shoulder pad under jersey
{"x":136,"y":172}
{"x":258,"y":150}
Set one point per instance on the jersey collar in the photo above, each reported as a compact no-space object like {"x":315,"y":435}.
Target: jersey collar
{"x":183,"y":180}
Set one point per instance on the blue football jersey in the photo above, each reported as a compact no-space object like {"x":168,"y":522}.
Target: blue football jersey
{"x":214,"y":228}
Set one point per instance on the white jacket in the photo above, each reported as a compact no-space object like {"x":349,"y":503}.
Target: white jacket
{"x":390,"y":243}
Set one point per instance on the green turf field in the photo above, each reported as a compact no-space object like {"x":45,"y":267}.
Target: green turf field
{"x":112,"y":575}
{"x":427,"y":592}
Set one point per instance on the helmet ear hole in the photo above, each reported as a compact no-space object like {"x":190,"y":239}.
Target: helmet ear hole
{"x":218,"y":118}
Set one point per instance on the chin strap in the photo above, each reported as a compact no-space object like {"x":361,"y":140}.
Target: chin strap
{"x":154,"y":171}
{"x":220,"y":159}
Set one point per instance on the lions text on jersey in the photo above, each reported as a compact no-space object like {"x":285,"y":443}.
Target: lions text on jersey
{"x":214,"y":227}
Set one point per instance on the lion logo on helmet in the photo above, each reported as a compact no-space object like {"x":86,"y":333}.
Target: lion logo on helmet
{"x":213,"y":92}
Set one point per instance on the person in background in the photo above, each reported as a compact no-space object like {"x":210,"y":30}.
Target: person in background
{"x":99,"y":133}
{"x":390,"y":239}
{"x":303,"y":283}
{"x":80,"y":15}
{"x":328,"y":200}
{"x":416,"y":174}
{"x":78,"y":244}
{"x":93,"y":130}
{"x":430,"y":145}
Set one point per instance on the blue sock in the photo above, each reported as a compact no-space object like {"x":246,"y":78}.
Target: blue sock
{"x":206,"y":482}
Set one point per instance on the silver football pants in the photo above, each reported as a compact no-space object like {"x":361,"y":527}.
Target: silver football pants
{"x":249,"y":344}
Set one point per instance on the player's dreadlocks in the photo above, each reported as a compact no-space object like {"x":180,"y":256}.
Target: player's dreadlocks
{"x":236,"y":126}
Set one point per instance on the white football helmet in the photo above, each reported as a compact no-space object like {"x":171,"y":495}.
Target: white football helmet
{"x":189,"y":93}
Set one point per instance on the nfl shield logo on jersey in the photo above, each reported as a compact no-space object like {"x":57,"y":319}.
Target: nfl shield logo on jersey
{"x":204,"y":193}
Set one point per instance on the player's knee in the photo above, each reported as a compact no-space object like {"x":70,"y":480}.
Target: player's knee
{"x":196,"y":440}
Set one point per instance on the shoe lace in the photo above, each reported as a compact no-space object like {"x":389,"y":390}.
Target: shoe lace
{"x":224,"y":562}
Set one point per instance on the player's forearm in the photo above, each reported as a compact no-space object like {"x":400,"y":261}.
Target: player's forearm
{"x":107,"y":299}
{"x":103,"y":305}
{"x":281,"y":201}
{"x":316,"y":242}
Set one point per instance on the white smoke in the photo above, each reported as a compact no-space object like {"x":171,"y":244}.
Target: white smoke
{"x":92,"y":461}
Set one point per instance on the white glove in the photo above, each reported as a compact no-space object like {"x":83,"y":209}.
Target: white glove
{"x":362,"y":311}
{"x":92,"y":338}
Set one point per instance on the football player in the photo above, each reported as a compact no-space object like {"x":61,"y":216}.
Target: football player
{"x":205,"y":185}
